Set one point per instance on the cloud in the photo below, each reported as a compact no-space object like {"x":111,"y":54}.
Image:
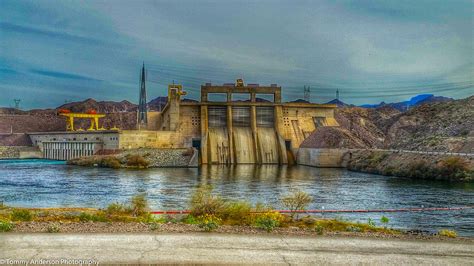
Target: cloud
{"x":369,"y":50}
{"x":62,"y":75}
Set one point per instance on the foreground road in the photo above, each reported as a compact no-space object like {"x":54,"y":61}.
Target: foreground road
{"x":231,"y":249}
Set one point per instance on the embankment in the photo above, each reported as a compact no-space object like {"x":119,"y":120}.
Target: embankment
{"x":403,"y":164}
{"x":412,"y":165}
{"x":19,"y":152}
{"x":142,"y":158}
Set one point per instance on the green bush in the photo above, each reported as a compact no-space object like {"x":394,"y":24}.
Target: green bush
{"x":5,"y":226}
{"x":139,"y":205}
{"x":136,"y":160}
{"x":53,"y":228}
{"x":154,"y":226}
{"x":268,"y":220}
{"x":319,"y":229}
{"x":236,"y":212}
{"x":296,"y":201}
{"x":189,"y":219}
{"x":209,"y":222}
{"x":21,"y":215}
{"x":352,"y":228}
{"x":86,"y":217}
{"x":384,"y":220}
{"x":204,"y":202}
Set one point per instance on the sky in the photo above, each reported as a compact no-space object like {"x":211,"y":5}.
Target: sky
{"x":52,"y":52}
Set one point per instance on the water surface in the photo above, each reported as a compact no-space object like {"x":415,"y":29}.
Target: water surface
{"x":41,"y":183}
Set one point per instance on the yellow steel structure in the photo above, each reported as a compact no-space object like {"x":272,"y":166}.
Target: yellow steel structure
{"x":93,"y":117}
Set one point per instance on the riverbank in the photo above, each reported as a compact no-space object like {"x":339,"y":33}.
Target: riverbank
{"x":411,"y":165}
{"x":141,"y":158}
{"x":231,"y":249}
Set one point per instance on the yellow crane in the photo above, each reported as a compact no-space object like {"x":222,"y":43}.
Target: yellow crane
{"x":92,"y":115}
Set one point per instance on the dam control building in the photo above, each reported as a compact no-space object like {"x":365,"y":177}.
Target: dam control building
{"x":233,"y":123}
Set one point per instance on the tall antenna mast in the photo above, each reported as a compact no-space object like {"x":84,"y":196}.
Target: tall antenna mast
{"x":307,"y":94}
{"x":17,"y":103}
{"x":142,"y":108}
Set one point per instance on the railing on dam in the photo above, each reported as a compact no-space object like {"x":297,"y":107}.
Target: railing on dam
{"x":67,"y":150}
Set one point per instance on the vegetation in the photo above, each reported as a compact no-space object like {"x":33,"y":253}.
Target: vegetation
{"x":384,"y":220}
{"x":203,"y":201}
{"x":209,"y":211}
{"x":137,"y":161}
{"x":447,"y":233}
{"x":110,"y":162}
{"x":453,"y":168}
{"x":269,"y":220}
{"x":5,"y":226}
{"x":297,"y":201}
{"x":21,"y":215}
{"x":53,"y":228}
{"x":209,"y":222}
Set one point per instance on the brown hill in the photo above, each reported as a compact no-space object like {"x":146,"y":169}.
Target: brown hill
{"x":438,"y":126}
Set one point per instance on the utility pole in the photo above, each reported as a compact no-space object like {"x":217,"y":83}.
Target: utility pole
{"x":17,"y":103}
{"x":307,"y":94}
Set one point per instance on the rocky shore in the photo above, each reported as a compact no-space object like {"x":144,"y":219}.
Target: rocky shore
{"x":418,"y":166}
{"x":150,"y":158}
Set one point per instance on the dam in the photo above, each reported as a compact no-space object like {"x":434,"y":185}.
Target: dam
{"x":232,"y":123}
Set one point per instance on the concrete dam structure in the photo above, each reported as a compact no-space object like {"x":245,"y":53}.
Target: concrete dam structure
{"x":232,"y":123}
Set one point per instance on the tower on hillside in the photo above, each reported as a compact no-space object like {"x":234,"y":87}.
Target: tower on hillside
{"x":142,"y":106}
{"x":307,"y":94}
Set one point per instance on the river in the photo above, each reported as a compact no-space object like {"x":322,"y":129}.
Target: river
{"x":41,"y":183}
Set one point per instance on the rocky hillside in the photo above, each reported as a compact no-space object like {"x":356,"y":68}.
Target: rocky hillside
{"x":437,"y":126}
{"x":119,"y":114}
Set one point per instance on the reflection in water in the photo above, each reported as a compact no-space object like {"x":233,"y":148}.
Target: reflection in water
{"x":48,"y":184}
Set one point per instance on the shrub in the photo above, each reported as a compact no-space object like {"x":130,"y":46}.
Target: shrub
{"x":53,"y":228}
{"x":86,"y":217}
{"x":209,"y":222}
{"x":297,"y":201}
{"x":117,"y":209}
{"x":204,"y":202}
{"x":269,"y":220}
{"x":352,"y":228}
{"x":5,"y":226}
{"x":110,"y":162}
{"x":154,"y":226}
{"x":139,"y":205}
{"x":454,"y":168}
{"x":447,"y":233}
{"x":371,"y":222}
{"x":384,"y":220}
{"x":136,"y":160}
{"x":189,"y":219}
{"x":21,"y":215}
{"x":319,"y":229}
{"x":237,"y":212}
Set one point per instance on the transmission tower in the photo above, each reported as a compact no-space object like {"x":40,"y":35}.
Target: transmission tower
{"x":142,"y":108}
{"x":307,"y":94}
{"x":17,"y":103}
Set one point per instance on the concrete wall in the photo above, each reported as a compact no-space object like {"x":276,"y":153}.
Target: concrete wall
{"x":109,"y":139}
{"x":297,"y":123}
{"x":133,"y":139}
{"x":321,"y":157}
